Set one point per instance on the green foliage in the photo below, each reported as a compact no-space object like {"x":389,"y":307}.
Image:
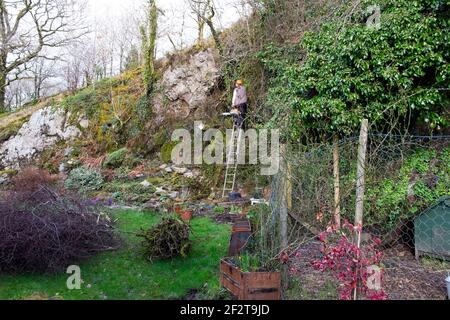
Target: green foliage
{"x":129,"y":192}
{"x":116,"y":159}
{"x":11,"y":129}
{"x":350,"y":72}
{"x":166,"y":151}
{"x":84,"y":180}
{"x":117,"y":111}
{"x":219,"y":210}
{"x":143,"y":113}
{"x":160,"y":138}
{"x":422,"y":180}
{"x":265,"y":244}
{"x":87,"y":101}
{"x":132,"y":60}
{"x":249,"y":263}
{"x":8,"y":172}
{"x":235,"y":210}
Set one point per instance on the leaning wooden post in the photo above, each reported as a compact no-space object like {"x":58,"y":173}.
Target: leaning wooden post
{"x":360,"y":184}
{"x":289,"y":186}
{"x":284,"y":188}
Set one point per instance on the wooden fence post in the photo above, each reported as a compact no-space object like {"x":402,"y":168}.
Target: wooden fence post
{"x":284,"y":211}
{"x":289,"y":186}
{"x":337,"y":192}
{"x":360,"y":184}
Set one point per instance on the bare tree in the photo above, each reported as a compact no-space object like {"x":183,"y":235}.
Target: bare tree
{"x":127,"y":36}
{"x":29,"y":26}
{"x":205,"y":12}
{"x":35,"y":82}
{"x":73,"y":73}
{"x":41,"y":72}
{"x":199,"y":9}
{"x":16,"y":94}
{"x":174,"y":26}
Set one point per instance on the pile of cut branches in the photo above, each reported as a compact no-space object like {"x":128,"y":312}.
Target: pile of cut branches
{"x":43,"y":231}
{"x":167,"y":240}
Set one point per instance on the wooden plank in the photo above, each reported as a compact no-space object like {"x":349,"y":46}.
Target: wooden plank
{"x":262,"y":286}
{"x":231,"y":278}
{"x":230,"y":270}
{"x":263,"y":280}
{"x":250,"y":285}
{"x":229,"y":284}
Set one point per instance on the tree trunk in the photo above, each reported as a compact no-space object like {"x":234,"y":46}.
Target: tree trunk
{"x":337,"y":183}
{"x":2,"y":93}
{"x":150,"y":47}
{"x":201,"y":30}
{"x":216,"y":37}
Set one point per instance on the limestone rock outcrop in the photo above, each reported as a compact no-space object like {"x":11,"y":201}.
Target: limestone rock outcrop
{"x":45,"y":128}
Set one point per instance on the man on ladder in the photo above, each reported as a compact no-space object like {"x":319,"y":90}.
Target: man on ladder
{"x":240,"y":105}
{"x":239,"y":113}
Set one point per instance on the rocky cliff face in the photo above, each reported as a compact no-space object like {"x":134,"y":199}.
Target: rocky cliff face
{"x":45,"y":128}
{"x":185,"y":86}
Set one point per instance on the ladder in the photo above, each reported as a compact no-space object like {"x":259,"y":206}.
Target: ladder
{"x":232,"y":161}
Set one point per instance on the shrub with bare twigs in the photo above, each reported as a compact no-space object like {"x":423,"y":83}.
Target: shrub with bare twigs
{"x":43,"y":231}
{"x":31,"y":179}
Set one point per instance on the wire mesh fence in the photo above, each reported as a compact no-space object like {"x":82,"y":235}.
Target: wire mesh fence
{"x":406,"y":219}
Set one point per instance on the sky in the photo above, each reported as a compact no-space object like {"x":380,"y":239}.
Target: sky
{"x":110,"y":9}
{"x":98,"y":8}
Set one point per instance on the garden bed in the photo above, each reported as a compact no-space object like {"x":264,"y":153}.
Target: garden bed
{"x":405,"y":278}
{"x":249,"y":285}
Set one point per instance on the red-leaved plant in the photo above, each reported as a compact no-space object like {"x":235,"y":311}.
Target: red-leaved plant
{"x":349,"y":264}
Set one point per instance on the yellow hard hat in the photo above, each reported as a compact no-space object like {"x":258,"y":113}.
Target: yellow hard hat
{"x":240,"y":82}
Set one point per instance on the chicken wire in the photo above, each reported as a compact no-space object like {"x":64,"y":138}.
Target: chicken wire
{"x":405,"y":175}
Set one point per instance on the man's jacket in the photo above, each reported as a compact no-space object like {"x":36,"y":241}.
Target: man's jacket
{"x":239,"y":96}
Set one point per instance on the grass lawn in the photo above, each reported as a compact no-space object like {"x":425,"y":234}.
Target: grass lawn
{"x":125,"y":274}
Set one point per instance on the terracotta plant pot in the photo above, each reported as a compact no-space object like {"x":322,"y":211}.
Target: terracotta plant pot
{"x":178,"y":210}
{"x":187,"y":215}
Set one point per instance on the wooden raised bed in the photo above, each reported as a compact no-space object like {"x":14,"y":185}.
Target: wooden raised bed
{"x":240,"y":237}
{"x":250,"y":285}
